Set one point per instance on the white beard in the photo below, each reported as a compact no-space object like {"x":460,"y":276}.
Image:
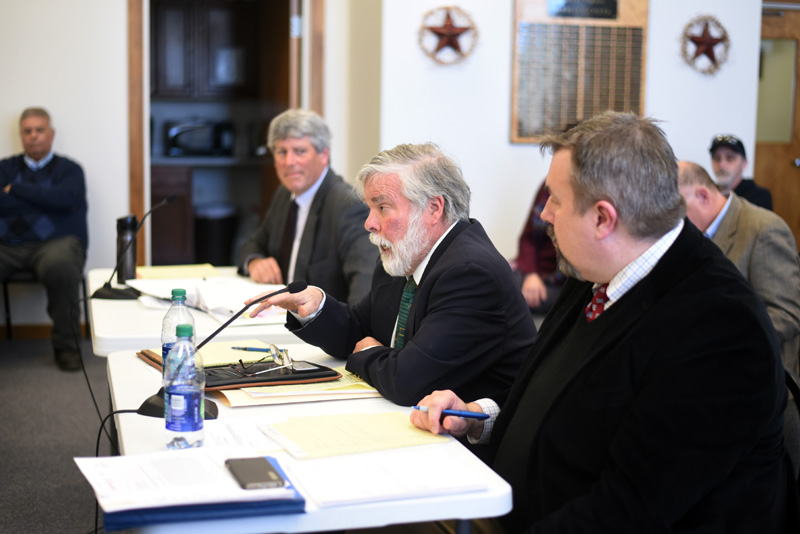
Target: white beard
{"x":401,"y":257}
{"x":724,"y":179}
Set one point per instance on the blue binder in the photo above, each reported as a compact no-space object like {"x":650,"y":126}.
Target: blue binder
{"x":228,"y":510}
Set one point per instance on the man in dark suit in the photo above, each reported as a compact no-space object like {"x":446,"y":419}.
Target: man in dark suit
{"x":729,"y":160}
{"x":653,"y":398}
{"x":444,"y":310}
{"x":313,"y":229}
{"x":758,"y":242}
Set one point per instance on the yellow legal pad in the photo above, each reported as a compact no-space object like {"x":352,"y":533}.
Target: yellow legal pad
{"x":163,"y":272}
{"x":333,"y":435}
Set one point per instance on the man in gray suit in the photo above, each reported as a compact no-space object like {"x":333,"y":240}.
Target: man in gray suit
{"x":758,"y":242}
{"x":314,"y":228}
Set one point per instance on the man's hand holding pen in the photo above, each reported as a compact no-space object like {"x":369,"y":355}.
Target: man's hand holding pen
{"x":432,"y":420}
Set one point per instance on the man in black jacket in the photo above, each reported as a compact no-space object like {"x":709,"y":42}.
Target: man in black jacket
{"x":653,"y":398}
{"x":444,"y":310}
{"x":729,"y":160}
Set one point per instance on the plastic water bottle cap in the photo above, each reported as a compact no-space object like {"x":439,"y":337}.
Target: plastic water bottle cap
{"x":184,"y":330}
{"x":178,"y":294}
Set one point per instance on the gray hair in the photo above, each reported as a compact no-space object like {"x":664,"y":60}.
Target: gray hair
{"x":299,"y":123}
{"x":626,"y":160}
{"x":34,"y":112}
{"x":424,"y":172}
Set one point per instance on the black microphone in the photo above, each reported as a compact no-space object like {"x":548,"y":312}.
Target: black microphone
{"x":128,"y":293}
{"x":294,"y":287}
{"x":153,"y":406}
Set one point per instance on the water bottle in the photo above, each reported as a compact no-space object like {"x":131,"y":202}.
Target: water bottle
{"x":184,"y":382}
{"x":177,"y":314}
{"x":126,"y":233}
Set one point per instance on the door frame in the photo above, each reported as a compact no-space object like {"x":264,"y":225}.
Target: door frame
{"x":136,"y":93}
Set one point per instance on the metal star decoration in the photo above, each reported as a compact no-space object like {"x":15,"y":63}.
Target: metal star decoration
{"x":709,"y":52}
{"x":705,"y":44}
{"x":447,"y":35}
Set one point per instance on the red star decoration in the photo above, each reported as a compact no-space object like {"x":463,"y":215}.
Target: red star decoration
{"x":448,"y":34}
{"x":705,"y":44}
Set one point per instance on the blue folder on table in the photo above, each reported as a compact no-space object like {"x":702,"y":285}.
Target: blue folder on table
{"x":172,"y":514}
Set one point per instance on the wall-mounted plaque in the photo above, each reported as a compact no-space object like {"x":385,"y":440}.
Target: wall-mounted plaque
{"x":567,"y":69}
{"x":589,"y":9}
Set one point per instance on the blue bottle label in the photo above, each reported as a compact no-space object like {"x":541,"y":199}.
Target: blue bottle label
{"x":165,"y":348}
{"x":183,"y":411}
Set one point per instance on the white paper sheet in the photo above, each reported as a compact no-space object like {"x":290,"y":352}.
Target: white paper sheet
{"x":170,"y":478}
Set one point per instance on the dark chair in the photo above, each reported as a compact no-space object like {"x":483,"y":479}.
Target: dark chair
{"x":28,"y":276}
{"x":791,"y":421}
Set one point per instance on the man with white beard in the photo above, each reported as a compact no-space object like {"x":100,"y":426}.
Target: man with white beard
{"x":444,"y":310}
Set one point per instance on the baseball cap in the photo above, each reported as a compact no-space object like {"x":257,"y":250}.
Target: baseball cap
{"x":730,"y":141}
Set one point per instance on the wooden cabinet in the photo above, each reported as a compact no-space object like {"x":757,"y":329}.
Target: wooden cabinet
{"x":172,"y":236}
{"x":205,"y":49}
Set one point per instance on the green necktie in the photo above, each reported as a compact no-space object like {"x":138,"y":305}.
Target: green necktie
{"x":402,"y":316}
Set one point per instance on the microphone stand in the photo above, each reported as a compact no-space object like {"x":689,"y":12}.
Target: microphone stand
{"x":153,"y":406}
{"x":127,"y":293}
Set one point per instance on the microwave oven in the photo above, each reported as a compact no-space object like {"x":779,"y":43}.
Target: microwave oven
{"x":198,"y":138}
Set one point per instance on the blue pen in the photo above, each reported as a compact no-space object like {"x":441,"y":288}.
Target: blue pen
{"x":457,"y":413}
{"x":251,"y":349}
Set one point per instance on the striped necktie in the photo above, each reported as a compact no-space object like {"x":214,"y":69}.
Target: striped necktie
{"x":402,"y":316}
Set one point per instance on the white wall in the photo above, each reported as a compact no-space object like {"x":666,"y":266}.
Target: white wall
{"x":381,"y":90}
{"x":71,"y":58}
{"x":352,"y":82}
{"x":693,"y":106}
{"x":466,"y":107}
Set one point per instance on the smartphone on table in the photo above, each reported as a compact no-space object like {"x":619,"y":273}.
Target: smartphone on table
{"x":255,"y":473}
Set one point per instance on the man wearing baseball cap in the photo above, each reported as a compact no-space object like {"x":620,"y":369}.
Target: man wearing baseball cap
{"x":729,"y":161}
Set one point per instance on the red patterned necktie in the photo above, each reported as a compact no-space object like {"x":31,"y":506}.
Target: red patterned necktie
{"x":595,"y":307}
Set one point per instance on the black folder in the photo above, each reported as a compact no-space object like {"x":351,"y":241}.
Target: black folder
{"x":235,"y":376}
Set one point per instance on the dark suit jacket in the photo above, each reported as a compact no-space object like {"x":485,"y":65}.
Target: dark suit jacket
{"x":750,"y":190}
{"x":335,"y":253}
{"x":468,"y":327}
{"x":762,"y":247}
{"x":671,"y":422}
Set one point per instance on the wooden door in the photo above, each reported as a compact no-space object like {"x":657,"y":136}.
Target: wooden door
{"x":777,"y":165}
{"x":274,"y":95}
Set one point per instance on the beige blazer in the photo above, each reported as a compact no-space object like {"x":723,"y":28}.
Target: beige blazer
{"x":762,"y":247}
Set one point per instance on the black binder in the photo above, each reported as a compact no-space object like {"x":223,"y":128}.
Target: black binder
{"x":235,"y":376}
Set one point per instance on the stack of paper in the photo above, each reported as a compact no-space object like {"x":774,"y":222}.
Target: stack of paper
{"x":389,"y":475}
{"x":349,"y":386}
{"x":334,"y":435}
{"x":164,"y":272}
{"x":220,"y":296}
{"x":184,"y":485}
{"x":217,"y":354}
{"x":395,"y":459}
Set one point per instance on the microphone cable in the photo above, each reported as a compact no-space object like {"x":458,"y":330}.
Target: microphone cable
{"x":96,"y":455}
{"x":77,"y":340}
